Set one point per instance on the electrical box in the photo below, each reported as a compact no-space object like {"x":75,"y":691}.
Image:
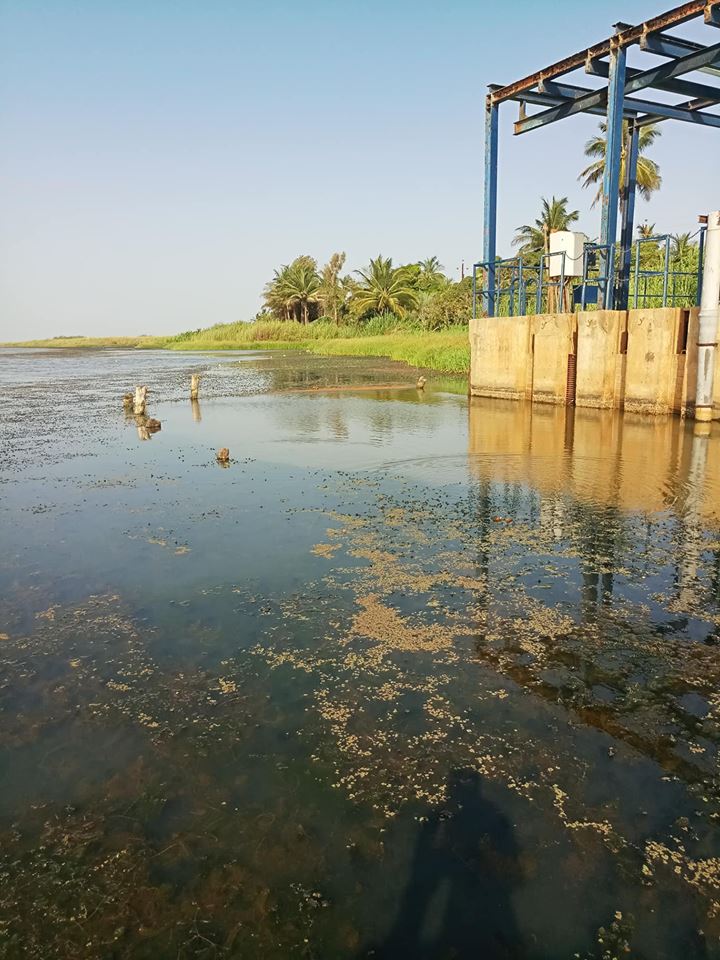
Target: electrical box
{"x":572,"y":245}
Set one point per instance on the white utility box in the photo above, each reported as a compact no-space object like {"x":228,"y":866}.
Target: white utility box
{"x":572,"y":245}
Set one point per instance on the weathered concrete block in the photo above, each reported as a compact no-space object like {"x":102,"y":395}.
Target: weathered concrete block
{"x":553,"y":340}
{"x":499,"y":365}
{"x":655,"y":372}
{"x":599,"y":357}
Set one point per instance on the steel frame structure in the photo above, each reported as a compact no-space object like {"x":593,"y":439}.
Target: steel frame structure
{"x":614,"y":102}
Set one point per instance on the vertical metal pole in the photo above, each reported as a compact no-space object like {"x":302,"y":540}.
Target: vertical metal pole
{"x":701,"y":250}
{"x":613,"y":153}
{"x":637,"y":271}
{"x":474,"y":291}
{"x":708,"y":321}
{"x":539,"y":293}
{"x":666,"y":270}
{"x":490,"y":214}
{"x":628,"y":214}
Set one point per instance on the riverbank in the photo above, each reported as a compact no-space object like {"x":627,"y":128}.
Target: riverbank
{"x":447,"y":351}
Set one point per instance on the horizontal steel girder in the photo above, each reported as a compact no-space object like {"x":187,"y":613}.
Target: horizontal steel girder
{"x":641,"y":80}
{"x":689,"y":88}
{"x":554,"y":94}
{"x":627,"y":36}
{"x":673,"y":47}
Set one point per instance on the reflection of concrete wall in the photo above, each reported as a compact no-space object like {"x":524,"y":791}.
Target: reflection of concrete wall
{"x":552,"y":343}
{"x":599,"y":358}
{"x":500,"y":357}
{"x":640,"y":464}
{"x":644,"y":361}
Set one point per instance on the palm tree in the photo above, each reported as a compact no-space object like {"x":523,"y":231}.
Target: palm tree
{"x":384,"y":288}
{"x":275,"y":295}
{"x":331,"y":292}
{"x":534,"y":239}
{"x":646,"y":230}
{"x":431,"y":274}
{"x":648,"y":179}
{"x":682,"y":247}
{"x":294,"y":289}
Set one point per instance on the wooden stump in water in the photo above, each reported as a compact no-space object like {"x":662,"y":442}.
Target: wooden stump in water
{"x":194,"y":386}
{"x":153,"y":425}
{"x":196,"y":413}
{"x":128,"y":401}
{"x":140,"y":401}
{"x":223,"y":455}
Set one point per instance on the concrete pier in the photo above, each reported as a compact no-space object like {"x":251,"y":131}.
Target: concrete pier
{"x":641,"y":361}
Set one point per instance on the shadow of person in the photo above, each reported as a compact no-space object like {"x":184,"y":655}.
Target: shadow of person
{"x":457,"y":902}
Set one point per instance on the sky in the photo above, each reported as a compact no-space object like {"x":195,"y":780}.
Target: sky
{"x":160,"y":158}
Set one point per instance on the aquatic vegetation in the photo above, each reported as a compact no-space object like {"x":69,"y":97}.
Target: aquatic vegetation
{"x":389,"y":677}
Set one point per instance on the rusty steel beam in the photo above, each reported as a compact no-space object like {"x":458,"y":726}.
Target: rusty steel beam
{"x":625,"y":38}
{"x":646,"y":78}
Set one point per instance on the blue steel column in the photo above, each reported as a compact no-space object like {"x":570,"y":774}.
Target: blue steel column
{"x":490,"y":213}
{"x":613,"y":153}
{"x":628,"y":215}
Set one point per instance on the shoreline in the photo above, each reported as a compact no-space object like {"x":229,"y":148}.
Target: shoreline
{"x":444,"y":351}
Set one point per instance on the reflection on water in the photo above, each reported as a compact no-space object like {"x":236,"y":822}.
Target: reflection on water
{"x":462,"y":873}
{"x":416,"y":678}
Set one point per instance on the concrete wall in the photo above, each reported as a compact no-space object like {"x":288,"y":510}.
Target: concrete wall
{"x":600,"y":362}
{"x":642,"y":361}
{"x":552,"y":342}
{"x":655,"y":366}
{"x":500,"y":357}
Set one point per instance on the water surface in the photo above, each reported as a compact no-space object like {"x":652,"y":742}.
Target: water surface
{"x":412,"y":678}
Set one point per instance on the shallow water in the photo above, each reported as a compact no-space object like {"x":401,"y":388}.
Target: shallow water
{"x":411,"y":678}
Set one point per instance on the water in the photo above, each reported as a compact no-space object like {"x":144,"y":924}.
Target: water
{"x":411,"y":678}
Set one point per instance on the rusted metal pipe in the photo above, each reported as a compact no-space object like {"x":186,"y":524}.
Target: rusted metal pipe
{"x":708,"y":322}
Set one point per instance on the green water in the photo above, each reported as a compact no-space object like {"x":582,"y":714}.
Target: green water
{"x":412,"y":677}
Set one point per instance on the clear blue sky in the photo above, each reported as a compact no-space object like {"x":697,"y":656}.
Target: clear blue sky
{"x":160,"y":157}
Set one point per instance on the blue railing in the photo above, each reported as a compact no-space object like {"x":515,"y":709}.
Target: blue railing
{"x":657,"y":279}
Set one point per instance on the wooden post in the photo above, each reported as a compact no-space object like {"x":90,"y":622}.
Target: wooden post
{"x":140,"y":401}
{"x":194,"y":386}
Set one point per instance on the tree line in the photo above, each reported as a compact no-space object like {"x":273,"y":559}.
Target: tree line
{"x":419,"y":292}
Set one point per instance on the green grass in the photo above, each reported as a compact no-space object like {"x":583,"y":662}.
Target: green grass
{"x":141,"y":343}
{"x":447,"y":351}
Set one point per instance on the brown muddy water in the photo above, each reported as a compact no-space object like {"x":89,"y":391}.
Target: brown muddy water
{"x":411,"y":678}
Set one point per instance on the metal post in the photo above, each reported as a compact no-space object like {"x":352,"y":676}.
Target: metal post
{"x":628,"y":214}
{"x":666,"y":271}
{"x":701,"y":249}
{"x":539,"y":292}
{"x":637,"y":272}
{"x":613,"y":154}
{"x":490,"y":213}
{"x":474,"y":291}
{"x":708,"y":322}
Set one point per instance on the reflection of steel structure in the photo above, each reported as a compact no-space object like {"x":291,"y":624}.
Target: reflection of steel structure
{"x":614,"y":102}
{"x":520,"y":287}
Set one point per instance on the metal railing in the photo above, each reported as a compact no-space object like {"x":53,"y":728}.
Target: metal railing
{"x":657,"y":279}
